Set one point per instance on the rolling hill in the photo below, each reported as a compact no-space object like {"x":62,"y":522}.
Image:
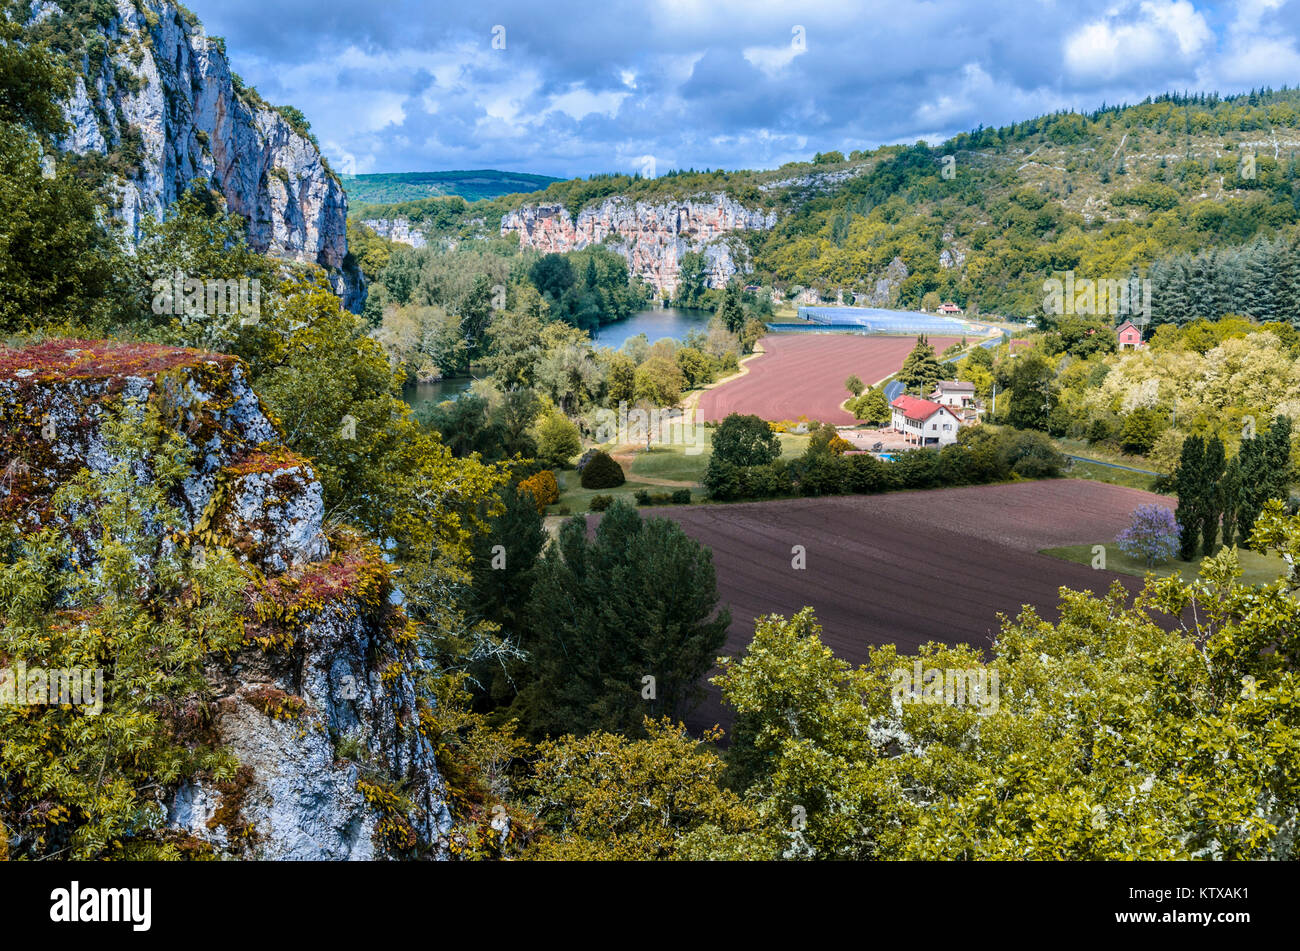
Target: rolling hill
{"x":470,"y":185}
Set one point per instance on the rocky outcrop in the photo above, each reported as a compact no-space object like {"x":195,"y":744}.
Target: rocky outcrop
{"x":652,"y":236}
{"x":398,"y":230}
{"x":319,"y":705}
{"x":156,"y":96}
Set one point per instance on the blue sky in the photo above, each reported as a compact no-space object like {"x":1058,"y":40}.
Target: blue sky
{"x":572,"y":88}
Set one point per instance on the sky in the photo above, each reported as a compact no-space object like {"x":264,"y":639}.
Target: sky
{"x":576,"y":88}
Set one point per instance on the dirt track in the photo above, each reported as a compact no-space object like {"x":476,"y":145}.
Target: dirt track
{"x":906,"y":567}
{"x":804,"y":374}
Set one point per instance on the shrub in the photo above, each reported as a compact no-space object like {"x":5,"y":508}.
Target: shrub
{"x":599,"y":503}
{"x":543,"y":488}
{"x":602,"y":472}
{"x":642,"y":497}
{"x":558,"y":440}
{"x":1153,"y":535}
{"x":681,"y":497}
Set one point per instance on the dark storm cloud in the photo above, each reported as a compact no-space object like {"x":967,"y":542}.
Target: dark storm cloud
{"x":591,"y":86}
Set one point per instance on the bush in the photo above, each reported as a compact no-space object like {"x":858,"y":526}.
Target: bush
{"x":602,"y":472}
{"x":543,"y":488}
{"x":642,"y":497}
{"x":681,"y":497}
{"x":599,"y":503}
{"x":1153,"y":535}
{"x":558,"y":440}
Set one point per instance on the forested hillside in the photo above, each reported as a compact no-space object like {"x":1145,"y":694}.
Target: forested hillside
{"x":472,"y":185}
{"x":984,"y":218}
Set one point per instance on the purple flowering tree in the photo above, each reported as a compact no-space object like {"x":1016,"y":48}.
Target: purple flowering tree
{"x":1152,"y":535}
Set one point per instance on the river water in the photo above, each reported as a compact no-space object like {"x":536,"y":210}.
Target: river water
{"x":656,"y":323}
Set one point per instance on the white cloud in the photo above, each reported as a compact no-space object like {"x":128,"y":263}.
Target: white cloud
{"x":1120,"y":44}
{"x":579,"y":102}
{"x":772,"y":59}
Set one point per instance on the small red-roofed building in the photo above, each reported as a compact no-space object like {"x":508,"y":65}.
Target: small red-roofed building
{"x":1128,"y":336}
{"x":923,"y":422}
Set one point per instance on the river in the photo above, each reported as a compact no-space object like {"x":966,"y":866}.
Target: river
{"x":656,"y":323}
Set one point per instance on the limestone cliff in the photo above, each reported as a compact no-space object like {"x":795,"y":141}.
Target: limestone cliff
{"x":156,"y":96}
{"x":319,"y":705}
{"x":653,"y":236}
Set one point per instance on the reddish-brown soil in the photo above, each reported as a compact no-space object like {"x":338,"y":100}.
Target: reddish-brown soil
{"x":804,"y":374}
{"x":906,"y":567}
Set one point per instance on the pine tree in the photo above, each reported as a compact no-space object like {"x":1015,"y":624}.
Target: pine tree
{"x":921,"y":370}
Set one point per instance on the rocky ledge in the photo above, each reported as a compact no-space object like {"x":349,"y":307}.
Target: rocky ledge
{"x":319,"y":705}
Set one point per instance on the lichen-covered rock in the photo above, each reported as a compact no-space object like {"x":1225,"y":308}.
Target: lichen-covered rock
{"x":319,"y":706}
{"x":327,"y":728}
{"x":160,"y":96}
{"x":652,"y":236}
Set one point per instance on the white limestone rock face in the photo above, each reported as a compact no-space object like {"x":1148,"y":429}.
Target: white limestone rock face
{"x":398,"y":230}
{"x":164,"y":88}
{"x":652,"y":236}
{"x":298,"y":799}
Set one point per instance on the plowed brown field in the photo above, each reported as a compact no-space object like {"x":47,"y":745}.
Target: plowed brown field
{"x":804,"y":374}
{"x":906,"y":567}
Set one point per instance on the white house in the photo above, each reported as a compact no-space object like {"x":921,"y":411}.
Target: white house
{"x":955,"y":393}
{"x":923,"y":422}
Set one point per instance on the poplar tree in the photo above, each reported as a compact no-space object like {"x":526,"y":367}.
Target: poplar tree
{"x":1211,"y":498}
{"x":1189,"y":483}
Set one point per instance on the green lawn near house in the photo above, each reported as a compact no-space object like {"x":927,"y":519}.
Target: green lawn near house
{"x":1256,"y":568}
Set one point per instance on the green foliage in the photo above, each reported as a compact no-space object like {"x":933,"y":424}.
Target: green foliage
{"x":745,"y":441}
{"x":609,"y":798}
{"x":1192,"y":741}
{"x":558,"y":441}
{"x":602,"y":472}
{"x":872,"y":406}
{"x":410,"y":186}
{"x":921,"y":370}
{"x":600,"y":624}
{"x":84,"y":783}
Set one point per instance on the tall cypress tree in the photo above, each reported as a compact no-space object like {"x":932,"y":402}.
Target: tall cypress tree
{"x":1189,"y":483}
{"x":1229,"y":489}
{"x":1211,"y":497}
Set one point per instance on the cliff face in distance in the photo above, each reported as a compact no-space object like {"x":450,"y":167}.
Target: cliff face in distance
{"x":319,"y":704}
{"x":156,"y":95}
{"x":652,"y":236}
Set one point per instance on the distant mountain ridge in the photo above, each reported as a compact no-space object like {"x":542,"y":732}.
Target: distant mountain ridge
{"x":472,"y":185}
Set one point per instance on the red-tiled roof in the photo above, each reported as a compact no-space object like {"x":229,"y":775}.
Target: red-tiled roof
{"x":914,"y":407}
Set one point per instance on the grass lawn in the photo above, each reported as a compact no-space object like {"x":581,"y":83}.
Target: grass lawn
{"x":578,"y":499}
{"x":1132,"y":480}
{"x":1255,"y":568}
{"x":673,"y":462}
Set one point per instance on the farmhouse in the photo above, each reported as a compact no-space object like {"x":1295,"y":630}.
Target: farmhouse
{"x":956,"y":393}
{"x":958,"y":396}
{"x":1129,"y":337}
{"x":949,"y":308}
{"x":923,"y":422}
